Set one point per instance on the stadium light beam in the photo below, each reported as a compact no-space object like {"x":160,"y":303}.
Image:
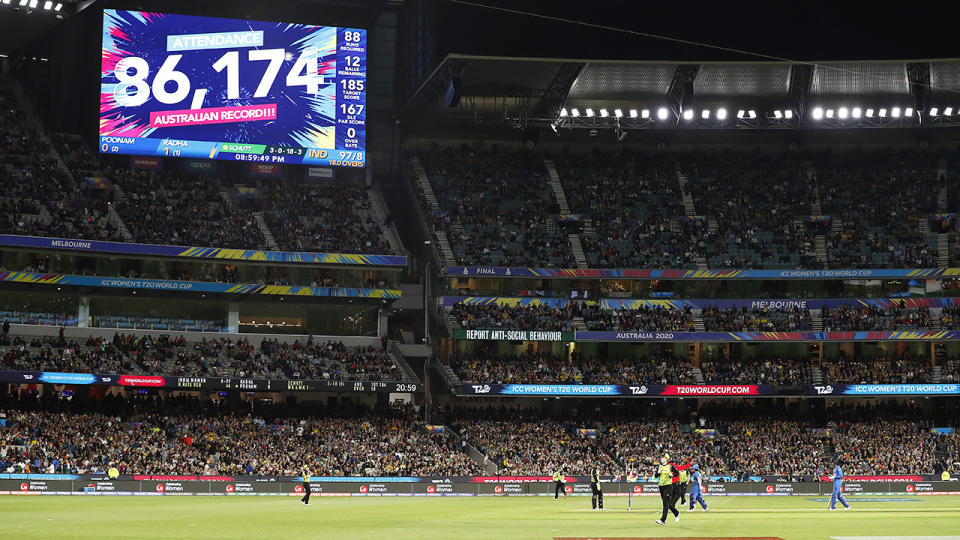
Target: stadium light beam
{"x":817,"y":113}
{"x":662,"y":113}
{"x":721,"y":114}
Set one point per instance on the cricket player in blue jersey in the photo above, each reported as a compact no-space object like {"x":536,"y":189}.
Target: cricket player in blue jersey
{"x":696,"y":491}
{"x":837,"y":478}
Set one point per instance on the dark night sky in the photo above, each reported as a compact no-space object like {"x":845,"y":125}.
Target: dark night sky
{"x":816,"y":30}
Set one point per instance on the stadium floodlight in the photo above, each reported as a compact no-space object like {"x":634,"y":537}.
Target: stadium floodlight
{"x":721,"y":114}
{"x":817,"y":113}
{"x":618,"y":113}
{"x":688,"y":114}
{"x":58,"y":7}
{"x":48,"y":5}
{"x":869,"y":113}
{"x":751,"y":114}
{"x":705,"y":114}
{"x":6,"y":1}
{"x":645,"y":113}
{"x":589,"y":113}
{"x":895,"y":112}
{"x":778,"y":114}
{"x":908,"y":111}
{"x":23,"y":3}
{"x":633,"y":113}
{"x":740,"y":113}
{"x":857,"y":112}
{"x":662,"y":113}
{"x":788,"y":114}
{"x":843,"y":112}
{"x":563,"y":112}
{"x":882,"y":113}
{"x":829,"y":113}
{"x":575,"y":112}
{"x":948,"y":111}
{"x":604,"y":113}
{"x":33,"y":4}
{"x":934,"y":111}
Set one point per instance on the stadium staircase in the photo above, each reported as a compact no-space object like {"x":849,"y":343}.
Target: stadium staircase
{"x":936,"y":374}
{"x":690,"y":210}
{"x":267,"y":235}
{"x":576,"y":246}
{"x":423,"y":183}
{"x":816,"y":209}
{"x":408,"y":372}
{"x":698,"y":324}
{"x":816,"y":320}
{"x":579,"y":324}
{"x":378,"y":211}
{"x":119,"y":197}
{"x":816,"y":375}
{"x":697,"y":376}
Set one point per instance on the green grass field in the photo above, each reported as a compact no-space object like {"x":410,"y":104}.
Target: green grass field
{"x":395,"y":518}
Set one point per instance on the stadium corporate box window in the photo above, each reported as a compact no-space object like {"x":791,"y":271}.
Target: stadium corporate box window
{"x":350,"y":319}
{"x":157,"y":313}
{"x":238,"y":90}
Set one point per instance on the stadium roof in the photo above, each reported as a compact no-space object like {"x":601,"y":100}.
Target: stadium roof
{"x":568,"y":93}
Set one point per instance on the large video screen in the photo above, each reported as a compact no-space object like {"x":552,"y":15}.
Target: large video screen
{"x":201,"y":87}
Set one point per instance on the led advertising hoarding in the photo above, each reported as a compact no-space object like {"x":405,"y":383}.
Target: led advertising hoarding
{"x":254,"y":91}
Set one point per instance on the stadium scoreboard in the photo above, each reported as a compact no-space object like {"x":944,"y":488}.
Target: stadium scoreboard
{"x":254,"y":91}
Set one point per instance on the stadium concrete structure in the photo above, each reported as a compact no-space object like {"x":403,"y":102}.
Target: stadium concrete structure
{"x":542,"y":265}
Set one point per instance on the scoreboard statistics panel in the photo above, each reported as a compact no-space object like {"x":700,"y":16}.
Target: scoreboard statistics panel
{"x":202,"y":87}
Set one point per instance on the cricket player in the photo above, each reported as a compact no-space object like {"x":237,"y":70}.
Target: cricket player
{"x":837,"y":478}
{"x":696,"y":490}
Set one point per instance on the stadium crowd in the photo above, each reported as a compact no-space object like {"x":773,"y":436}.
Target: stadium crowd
{"x":184,"y":436}
{"x":534,"y":317}
{"x":756,"y":320}
{"x":644,"y":318}
{"x":875,"y":318}
{"x":536,"y":368}
{"x":271,"y":359}
{"x":882,"y":370}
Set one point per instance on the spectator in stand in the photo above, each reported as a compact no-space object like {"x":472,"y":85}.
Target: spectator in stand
{"x":533,"y":317}
{"x":896,"y":317}
{"x":756,"y":320}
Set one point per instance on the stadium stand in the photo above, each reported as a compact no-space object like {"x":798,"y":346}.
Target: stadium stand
{"x":500,"y":208}
{"x":537,"y":368}
{"x":186,"y":436}
{"x":129,"y":354}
